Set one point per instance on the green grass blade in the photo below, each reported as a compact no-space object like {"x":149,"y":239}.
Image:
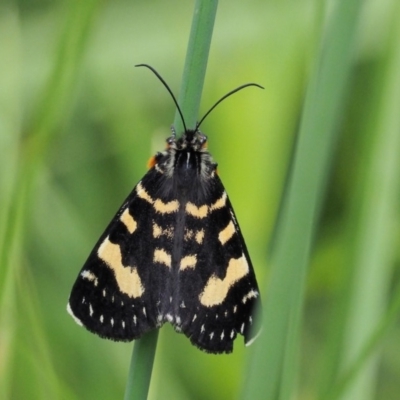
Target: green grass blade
{"x":275,"y":354}
{"x":196,"y":62}
{"x":372,"y":246}
{"x":141,"y":366}
{"x":189,"y":100}
{"x":48,"y":115}
{"x":33,"y":144}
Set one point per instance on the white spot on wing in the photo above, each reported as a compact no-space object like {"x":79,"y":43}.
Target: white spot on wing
{"x":112,"y":321}
{"x":251,"y":295}
{"x":202,"y":329}
{"x":144,"y":311}
{"x":211,"y":335}
{"x":101,"y":318}
{"x":222,"y":335}
{"x":90,"y":276}
{"x":194,"y":317}
{"x":251,"y":341}
{"x":242,"y":328}
{"x":77,"y":320}
{"x":232,"y":334}
{"x":134,"y":319}
{"x":90,"y":310}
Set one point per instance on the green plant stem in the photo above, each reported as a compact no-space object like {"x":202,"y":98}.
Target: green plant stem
{"x":275,"y":355}
{"x":376,"y":204}
{"x":189,"y":100}
{"x":196,"y":62}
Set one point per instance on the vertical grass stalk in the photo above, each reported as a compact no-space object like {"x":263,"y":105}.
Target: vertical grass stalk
{"x":373,"y":244}
{"x":189,"y":100}
{"x":48,"y":115}
{"x":273,"y":368}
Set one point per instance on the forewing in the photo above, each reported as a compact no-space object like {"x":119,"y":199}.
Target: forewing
{"x":217,"y":290}
{"x":118,"y":292}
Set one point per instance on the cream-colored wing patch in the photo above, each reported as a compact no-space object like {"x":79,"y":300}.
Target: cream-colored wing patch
{"x":200,"y":236}
{"x":227,"y":233}
{"x":159,"y":205}
{"x":127,"y":278}
{"x":159,"y":231}
{"x":141,"y":192}
{"x":188,"y":262}
{"x":198,"y":212}
{"x":166,"y":208}
{"x":162,"y":257}
{"x":216,"y":289}
{"x":221,"y":202}
{"x":127,"y":219}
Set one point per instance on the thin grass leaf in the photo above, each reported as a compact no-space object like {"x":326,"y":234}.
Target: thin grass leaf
{"x":189,"y":100}
{"x":32,"y":152}
{"x":276,"y":352}
{"x":373,"y":245}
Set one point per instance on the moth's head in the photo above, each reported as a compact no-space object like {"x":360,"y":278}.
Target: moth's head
{"x":191,"y":139}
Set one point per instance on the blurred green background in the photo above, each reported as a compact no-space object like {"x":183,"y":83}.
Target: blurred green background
{"x":77,"y":125}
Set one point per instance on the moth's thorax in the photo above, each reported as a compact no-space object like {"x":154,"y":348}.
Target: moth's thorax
{"x":186,"y":159}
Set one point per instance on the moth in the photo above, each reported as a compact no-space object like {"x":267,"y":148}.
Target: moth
{"x":173,"y":253}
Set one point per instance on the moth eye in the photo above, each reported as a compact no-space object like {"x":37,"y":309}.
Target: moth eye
{"x":171,"y":140}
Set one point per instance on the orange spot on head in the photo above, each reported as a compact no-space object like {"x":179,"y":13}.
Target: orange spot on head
{"x":152,"y":162}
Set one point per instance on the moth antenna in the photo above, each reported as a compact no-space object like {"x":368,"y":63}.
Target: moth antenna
{"x":167,"y":87}
{"x":223,"y":98}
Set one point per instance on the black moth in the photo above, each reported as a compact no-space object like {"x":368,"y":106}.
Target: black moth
{"x":173,"y":253}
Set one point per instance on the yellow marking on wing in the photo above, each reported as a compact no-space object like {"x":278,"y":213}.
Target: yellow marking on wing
{"x":166,"y":208}
{"x":188,"y":234}
{"x":221,"y":202}
{"x":227,"y":233}
{"x":158,"y":231}
{"x":127,"y":277}
{"x":141,"y":192}
{"x":128,"y":220}
{"x":188,"y":262}
{"x":159,"y":205}
{"x":217,"y":289}
{"x":198,"y":212}
{"x":162,"y":257}
{"x":200,"y":236}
